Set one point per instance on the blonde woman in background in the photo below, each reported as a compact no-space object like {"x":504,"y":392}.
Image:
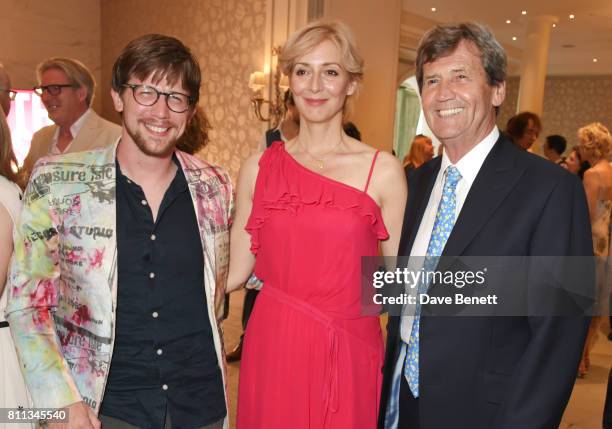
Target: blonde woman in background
{"x":13,"y":393}
{"x":594,"y":147}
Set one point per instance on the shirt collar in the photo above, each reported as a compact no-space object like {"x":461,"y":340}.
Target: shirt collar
{"x":76,"y":127}
{"x":178,"y":184}
{"x":469,"y":165}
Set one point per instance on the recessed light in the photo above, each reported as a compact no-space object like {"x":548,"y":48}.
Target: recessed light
{"x":554,"y":25}
{"x":524,"y":12}
{"x":514,"y":38}
{"x":508,"y":21}
{"x":594,"y":60}
{"x":572,"y":16}
{"x":433,"y":9}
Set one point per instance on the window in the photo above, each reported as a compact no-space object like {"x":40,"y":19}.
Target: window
{"x":27,"y":116}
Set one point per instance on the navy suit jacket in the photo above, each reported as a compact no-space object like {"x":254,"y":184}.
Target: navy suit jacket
{"x":499,"y":372}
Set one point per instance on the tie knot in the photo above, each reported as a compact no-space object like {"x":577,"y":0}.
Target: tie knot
{"x":452,"y":175}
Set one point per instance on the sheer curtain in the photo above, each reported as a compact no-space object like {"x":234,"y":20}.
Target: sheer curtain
{"x":407,"y":114}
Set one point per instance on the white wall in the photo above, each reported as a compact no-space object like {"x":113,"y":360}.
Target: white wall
{"x":376,"y":25}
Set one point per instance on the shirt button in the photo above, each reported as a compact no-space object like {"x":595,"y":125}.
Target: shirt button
{"x":155,"y":315}
{"x":151,"y":275}
{"x":159,"y":352}
{"x":165,"y":387}
{"x":143,"y":202}
{"x":153,"y":237}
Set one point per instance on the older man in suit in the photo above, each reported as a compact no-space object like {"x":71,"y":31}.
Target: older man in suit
{"x":483,"y":197}
{"x":66,"y":88}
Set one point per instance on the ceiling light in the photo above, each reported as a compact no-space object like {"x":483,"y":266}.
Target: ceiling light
{"x":433,"y":9}
{"x":572,"y":16}
{"x":514,"y":38}
{"x":524,"y":12}
{"x":554,"y":25}
{"x":508,"y":21}
{"x":594,"y":60}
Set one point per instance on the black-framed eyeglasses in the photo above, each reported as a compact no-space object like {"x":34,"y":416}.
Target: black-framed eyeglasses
{"x":12,"y":93}
{"x":146,"y":95}
{"x":52,"y":89}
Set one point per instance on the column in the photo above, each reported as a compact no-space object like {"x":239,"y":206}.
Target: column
{"x":534,"y":63}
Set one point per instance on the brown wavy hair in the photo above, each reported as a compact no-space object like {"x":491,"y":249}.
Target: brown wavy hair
{"x":195,"y":137}
{"x":8,"y":161}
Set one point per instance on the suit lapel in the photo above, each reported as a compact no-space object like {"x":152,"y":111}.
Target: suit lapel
{"x":87,"y":134}
{"x":496,"y":178}
{"x":45,"y":143}
{"x":418,"y":199}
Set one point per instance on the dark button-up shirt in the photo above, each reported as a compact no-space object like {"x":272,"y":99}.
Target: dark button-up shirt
{"x":164,"y":357}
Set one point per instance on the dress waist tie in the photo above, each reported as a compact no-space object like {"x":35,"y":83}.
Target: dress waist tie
{"x":330,"y":386}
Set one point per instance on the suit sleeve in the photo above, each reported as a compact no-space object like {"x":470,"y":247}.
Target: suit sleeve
{"x":546,"y":374}
{"x":34,"y":287}
{"x":30,"y":159}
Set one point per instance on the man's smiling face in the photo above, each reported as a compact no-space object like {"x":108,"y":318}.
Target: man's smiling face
{"x":458,"y":101}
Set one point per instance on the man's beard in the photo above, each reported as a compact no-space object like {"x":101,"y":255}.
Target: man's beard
{"x":142,"y":144}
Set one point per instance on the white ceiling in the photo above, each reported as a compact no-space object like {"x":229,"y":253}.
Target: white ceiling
{"x":590,"y":32}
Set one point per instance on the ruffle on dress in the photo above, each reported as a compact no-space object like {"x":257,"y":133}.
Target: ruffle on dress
{"x":284,"y":184}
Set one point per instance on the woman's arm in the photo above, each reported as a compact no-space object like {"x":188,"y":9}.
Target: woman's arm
{"x":389,"y":184}
{"x":241,"y":258}
{"x":591,"y":188}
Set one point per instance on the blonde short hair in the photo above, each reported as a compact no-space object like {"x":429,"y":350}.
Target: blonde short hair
{"x":306,"y":39}
{"x":596,"y":137}
{"x":75,"y":71}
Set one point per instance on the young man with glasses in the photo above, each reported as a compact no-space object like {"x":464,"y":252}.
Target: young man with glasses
{"x":121,"y":259}
{"x":66,"y":89}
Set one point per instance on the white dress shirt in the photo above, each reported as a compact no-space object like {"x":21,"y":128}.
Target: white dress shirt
{"x":74,"y":130}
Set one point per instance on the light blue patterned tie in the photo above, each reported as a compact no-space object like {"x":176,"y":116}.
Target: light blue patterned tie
{"x":443,"y":225}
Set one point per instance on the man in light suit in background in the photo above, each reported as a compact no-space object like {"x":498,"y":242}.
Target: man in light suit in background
{"x":66,"y":88}
{"x":483,"y":197}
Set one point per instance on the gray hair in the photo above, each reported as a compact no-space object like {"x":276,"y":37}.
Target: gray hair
{"x":75,"y":71}
{"x":442,"y":40}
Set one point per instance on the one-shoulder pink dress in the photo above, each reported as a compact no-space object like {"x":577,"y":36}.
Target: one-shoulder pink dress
{"x":311,"y":358}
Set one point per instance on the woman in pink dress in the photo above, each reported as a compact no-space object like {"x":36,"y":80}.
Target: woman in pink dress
{"x":306,"y":212}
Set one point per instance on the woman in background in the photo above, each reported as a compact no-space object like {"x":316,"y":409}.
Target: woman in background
{"x":574,"y":163}
{"x":421,"y":151}
{"x":313,"y":206}
{"x":524,"y":129}
{"x":13,"y":392}
{"x":594,"y":147}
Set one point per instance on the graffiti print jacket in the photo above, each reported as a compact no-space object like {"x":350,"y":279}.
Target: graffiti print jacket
{"x":63,"y":276}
